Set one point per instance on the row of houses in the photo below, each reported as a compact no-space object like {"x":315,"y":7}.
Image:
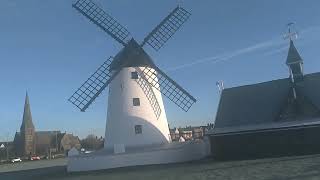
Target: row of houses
{"x":189,"y":132}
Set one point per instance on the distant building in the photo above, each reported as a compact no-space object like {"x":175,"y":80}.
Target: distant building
{"x":29,"y":141}
{"x":174,"y":134}
{"x":188,"y":133}
{"x":198,"y":132}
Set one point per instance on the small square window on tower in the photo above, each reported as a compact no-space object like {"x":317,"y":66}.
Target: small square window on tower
{"x":136,"y":101}
{"x":134,"y":75}
{"x":138,"y":129}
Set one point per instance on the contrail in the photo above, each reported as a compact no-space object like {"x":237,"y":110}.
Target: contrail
{"x":229,"y":55}
{"x":276,"y":51}
{"x":304,"y":41}
{"x":259,"y":46}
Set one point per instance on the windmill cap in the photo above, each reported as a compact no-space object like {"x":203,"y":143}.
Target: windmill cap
{"x":132,"y":55}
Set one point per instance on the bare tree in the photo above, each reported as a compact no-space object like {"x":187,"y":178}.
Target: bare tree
{"x":92,"y":142}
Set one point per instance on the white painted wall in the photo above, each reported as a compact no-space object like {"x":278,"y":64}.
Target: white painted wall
{"x":122,"y":116}
{"x":173,"y":153}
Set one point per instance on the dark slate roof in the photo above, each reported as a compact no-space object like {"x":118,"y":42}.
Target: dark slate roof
{"x":262,"y":103}
{"x":132,"y":55}
{"x":311,"y":88}
{"x":27,"y":117}
{"x":293,"y":54}
{"x":265,"y":127}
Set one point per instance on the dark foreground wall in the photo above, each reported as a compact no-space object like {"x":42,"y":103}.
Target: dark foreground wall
{"x":266,"y":143}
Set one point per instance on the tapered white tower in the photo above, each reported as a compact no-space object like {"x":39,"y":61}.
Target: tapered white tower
{"x":136,"y":115}
{"x":131,"y":120}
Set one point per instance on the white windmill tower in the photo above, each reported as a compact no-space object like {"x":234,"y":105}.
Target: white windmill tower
{"x":136,"y":114}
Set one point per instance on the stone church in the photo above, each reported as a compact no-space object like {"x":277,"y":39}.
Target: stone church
{"x":31,"y":142}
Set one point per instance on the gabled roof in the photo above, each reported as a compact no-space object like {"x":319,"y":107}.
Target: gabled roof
{"x":263,"y":103}
{"x":293,"y":55}
{"x":132,"y":55}
{"x":27,"y":117}
{"x":252,"y":104}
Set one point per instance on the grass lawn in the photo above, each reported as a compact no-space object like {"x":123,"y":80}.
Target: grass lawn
{"x":289,"y":168}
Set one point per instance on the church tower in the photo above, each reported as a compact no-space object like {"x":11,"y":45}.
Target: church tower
{"x":27,"y":130}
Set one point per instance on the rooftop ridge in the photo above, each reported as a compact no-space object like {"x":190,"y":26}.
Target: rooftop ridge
{"x":246,"y":85}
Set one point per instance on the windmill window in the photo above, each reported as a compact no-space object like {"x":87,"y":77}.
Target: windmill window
{"x":134,"y":75}
{"x":136,"y":101}
{"x":138,"y":129}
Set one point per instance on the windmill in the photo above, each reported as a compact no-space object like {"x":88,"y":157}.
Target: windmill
{"x":136,"y":113}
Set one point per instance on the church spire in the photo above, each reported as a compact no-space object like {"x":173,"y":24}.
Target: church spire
{"x":27,"y":117}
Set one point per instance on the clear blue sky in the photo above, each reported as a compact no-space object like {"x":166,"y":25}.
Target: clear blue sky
{"x":49,"y":49}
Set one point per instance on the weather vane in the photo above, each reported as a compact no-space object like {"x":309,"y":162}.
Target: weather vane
{"x":291,"y":32}
{"x":220,"y":85}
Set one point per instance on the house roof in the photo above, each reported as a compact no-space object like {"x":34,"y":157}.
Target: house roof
{"x":132,"y":55}
{"x":263,"y":103}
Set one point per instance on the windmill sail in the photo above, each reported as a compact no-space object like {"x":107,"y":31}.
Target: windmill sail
{"x":168,"y":87}
{"x":167,"y":27}
{"x":93,"y":86}
{"x":147,"y":89}
{"x":103,"y":20}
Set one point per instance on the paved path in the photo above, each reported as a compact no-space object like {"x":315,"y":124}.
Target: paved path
{"x":287,"y":168}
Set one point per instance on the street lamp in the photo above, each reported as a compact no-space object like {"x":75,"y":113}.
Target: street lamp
{"x":7,"y":148}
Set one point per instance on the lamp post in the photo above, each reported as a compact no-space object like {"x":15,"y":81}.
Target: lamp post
{"x":56,"y":142}
{"x":7,"y":147}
